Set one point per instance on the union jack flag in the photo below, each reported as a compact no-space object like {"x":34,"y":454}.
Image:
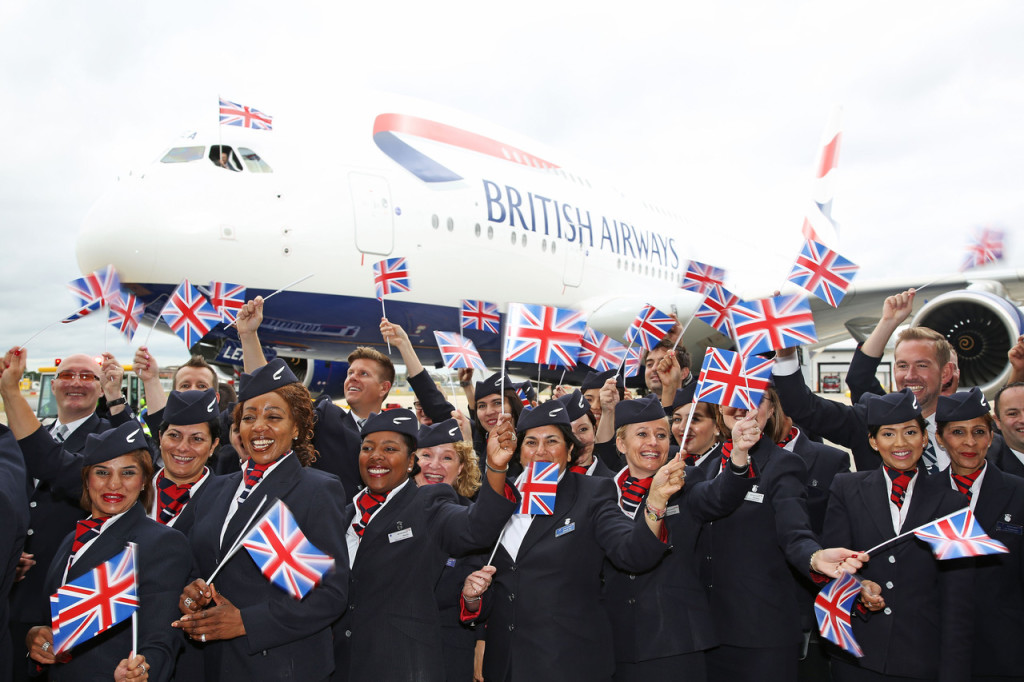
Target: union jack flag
{"x":284,"y":555}
{"x":82,"y":312}
{"x":481,"y":316}
{"x":103,"y":286}
{"x":457,"y":351}
{"x":95,"y":601}
{"x":772,"y":324}
{"x":189,"y":314}
{"x":823,"y":272}
{"x":727,"y":378}
{"x":232,"y":114}
{"x":649,"y":327}
{"x":634,"y":360}
{"x":702,"y":278}
{"x":228,"y":299}
{"x":984,"y":247}
{"x":544,"y":335}
{"x":715,"y":309}
{"x":832,"y":608}
{"x":539,"y":488}
{"x":390,"y":276}
{"x":126,"y":314}
{"x":600,"y":352}
{"x":958,"y":535}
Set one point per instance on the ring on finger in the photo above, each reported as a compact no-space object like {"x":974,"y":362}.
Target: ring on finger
{"x":45,"y":646}
{"x":202,"y":638}
{"x":188,"y":602}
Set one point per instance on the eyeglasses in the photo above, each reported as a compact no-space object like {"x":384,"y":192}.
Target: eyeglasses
{"x":69,"y":375}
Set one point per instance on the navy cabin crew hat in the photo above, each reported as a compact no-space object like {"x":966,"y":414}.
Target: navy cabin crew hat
{"x":111,"y":444}
{"x":892,"y":408}
{"x":597,"y":379}
{"x":527,"y":388}
{"x":191,"y":407}
{"x":576,"y":404}
{"x":961,"y":406}
{"x":491,"y":386}
{"x":440,"y":433}
{"x":646,"y":409}
{"x":399,"y":420}
{"x":684,"y":395}
{"x":551,"y":412}
{"x":265,"y":379}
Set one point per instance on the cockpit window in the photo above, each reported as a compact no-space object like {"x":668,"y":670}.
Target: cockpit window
{"x":183,"y":155}
{"x":253,"y":162}
{"x":224,"y":157}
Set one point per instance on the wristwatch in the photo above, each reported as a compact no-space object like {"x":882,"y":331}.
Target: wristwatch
{"x":120,"y":401}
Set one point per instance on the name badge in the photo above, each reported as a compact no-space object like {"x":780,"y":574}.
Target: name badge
{"x":400,"y":535}
{"x":672,"y":510}
{"x":1009,"y":528}
{"x":450,"y":563}
{"x":754,"y":497}
{"x":568,"y":528}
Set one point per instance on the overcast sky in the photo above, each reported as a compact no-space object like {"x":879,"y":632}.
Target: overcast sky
{"x":714,"y":109}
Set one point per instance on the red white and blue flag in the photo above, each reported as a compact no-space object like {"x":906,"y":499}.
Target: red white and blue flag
{"x":126,"y":314}
{"x":634,"y":361}
{"x":82,"y":312}
{"x":727,"y":378}
{"x":521,"y":394}
{"x":284,"y":555}
{"x":772,"y":324}
{"x":232,"y":114}
{"x":818,"y":223}
{"x":714,"y":310}
{"x":958,"y":535}
{"x":543,"y":334}
{"x":103,"y":286}
{"x":832,"y":608}
{"x":95,"y":601}
{"x":649,"y":327}
{"x":228,"y":299}
{"x":600,"y":352}
{"x":457,"y":351}
{"x":985,"y":246}
{"x":823,"y":272}
{"x":539,"y":488}
{"x":702,"y":278}
{"x":189,"y":314}
{"x":390,"y":276}
{"x":480,"y":316}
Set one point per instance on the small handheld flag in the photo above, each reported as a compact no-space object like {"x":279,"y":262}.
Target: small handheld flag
{"x":284,"y":555}
{"x":544,"y":335}
{"x":103,"y":286}
{"x":95,"y":601}
{"x":227,"y":298}
{"x":649,"y":327}
{"x":701,"y":278}
{"x":958,"y":535}
{"x":457,"y":351}
{"x":984,"y":246}
{"x":832,"y":608}
{"x":823,"y":272}
{"x":772,"y":324}
{"x":727,"y":378}
{"x":232,"y":114}
{"x":81,"y":312}
{"x":126,"y":314}
{"x":390,"y":276}
{"x":189,"y":314}
{"x":633,"y":361}
{"x":714,"y":309}
{"x":600,"y":352}
{"x":480,"y":316}
{"x":539,"y":488}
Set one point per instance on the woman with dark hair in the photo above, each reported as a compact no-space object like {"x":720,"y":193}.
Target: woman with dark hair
{"x":925,"y":629}
{"x":492,"y":397}
{"x":701,"y":432}
{"x":584,"y":427}
{"x":251,"y":628}
{"x":115,"y":478}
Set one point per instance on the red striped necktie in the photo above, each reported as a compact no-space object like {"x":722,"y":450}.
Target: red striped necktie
{"x":253,"y":473}
{"x":633,"y":491}
{"x":964,"y":483}
{"x":793,"y":433}
{"x":171,"y":498}
{"x":86,"y":530}
{"x":900,"y":482}
{"x":580,"y":469}
{"x":367,"y":504}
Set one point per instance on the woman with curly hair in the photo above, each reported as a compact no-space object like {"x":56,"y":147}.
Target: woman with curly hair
{"x":252,"y":629}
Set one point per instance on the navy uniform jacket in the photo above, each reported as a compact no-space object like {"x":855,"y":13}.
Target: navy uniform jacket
{"x":861,"y":377}
{"x":823,"y":462}
{"x":663,"y":611}
{"x":162,"y":563}
{"x":999,"y":591}
{"x":391,"y":630}
{"x":1000,"y":454}
{"x":285,"y":639}
{"x":14,"y":512}
{"x":544,"y":616}
{"x":926,"y":627}
{"x":755,"y":607}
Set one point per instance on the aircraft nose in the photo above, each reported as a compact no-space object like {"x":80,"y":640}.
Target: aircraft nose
{"x":119,"y":230}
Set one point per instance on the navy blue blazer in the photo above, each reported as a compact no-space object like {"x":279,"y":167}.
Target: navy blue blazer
{"x":664,"y":611}
{"x":285,"y":639}
{"x":756,"y":608}
{"x":861,"y":377}
{"x":391,"y":630}
{"x":162,"y":563}
{"x":823,"y":462}
{"x":1000,"y":454}
{"x":925,"y":629}
{"x":544,"y":615}
{"x":14,"y":512}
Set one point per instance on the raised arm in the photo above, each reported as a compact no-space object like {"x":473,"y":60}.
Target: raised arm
{"x":20,"y":418}
{"x":250,"y":316}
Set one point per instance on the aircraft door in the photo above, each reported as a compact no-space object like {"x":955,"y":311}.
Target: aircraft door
{"x":372,"y":213}
{"x":575,"y":257}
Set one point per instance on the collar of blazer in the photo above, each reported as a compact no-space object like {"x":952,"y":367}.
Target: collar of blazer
{"x":108,"y":545}
{"x":993,"y":498}
{"x":383,"y":522}
{"x":276,"y":485}
{"x":873,"y":494}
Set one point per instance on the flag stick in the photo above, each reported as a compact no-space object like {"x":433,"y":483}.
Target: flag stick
{"x":38,"y":333}
{"x":384,"y":314}
{"x":496,"y":546}
{"x":683,"y":331}
{"x":622,"y":365}
{"x":538,"y":381}
{"x":911,"y":532}
{"x":686,"y":430}
{"x":238,"y":542}
{"x":562,"y":378}
{"x":135,"y":634}
{"x":284,"y":288}
{"x":504,"y":348}
{"x":451,"y":385}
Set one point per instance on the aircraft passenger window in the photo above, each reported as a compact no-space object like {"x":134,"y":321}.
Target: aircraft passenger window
{"x":552,"y":247}
{"x":476,"y":229}
{"x":253,"y":162}
{"x":544,"y":245}
{"x":513,"y":238}
{"x":490,"y":231}
{"x":183,"y":155}
{"x":451,"y":224}
{"x":524,"y":241}
{"x":434,"y":221}
{"x":224,"y":157}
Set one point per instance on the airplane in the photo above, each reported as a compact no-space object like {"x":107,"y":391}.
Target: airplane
{"x":478,"y":212}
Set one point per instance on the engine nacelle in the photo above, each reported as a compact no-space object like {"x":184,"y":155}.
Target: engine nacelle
{"x":320,"y":376}
{"x":982,"y":327}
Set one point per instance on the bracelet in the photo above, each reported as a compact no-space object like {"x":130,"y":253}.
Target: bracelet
{"x":813,"y":555}
{"x":497,"y":471}
{"x":469,"y":600}
{"x":655,"y":514}
{"x":465,"y":384}
{"x":120,"y":401}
